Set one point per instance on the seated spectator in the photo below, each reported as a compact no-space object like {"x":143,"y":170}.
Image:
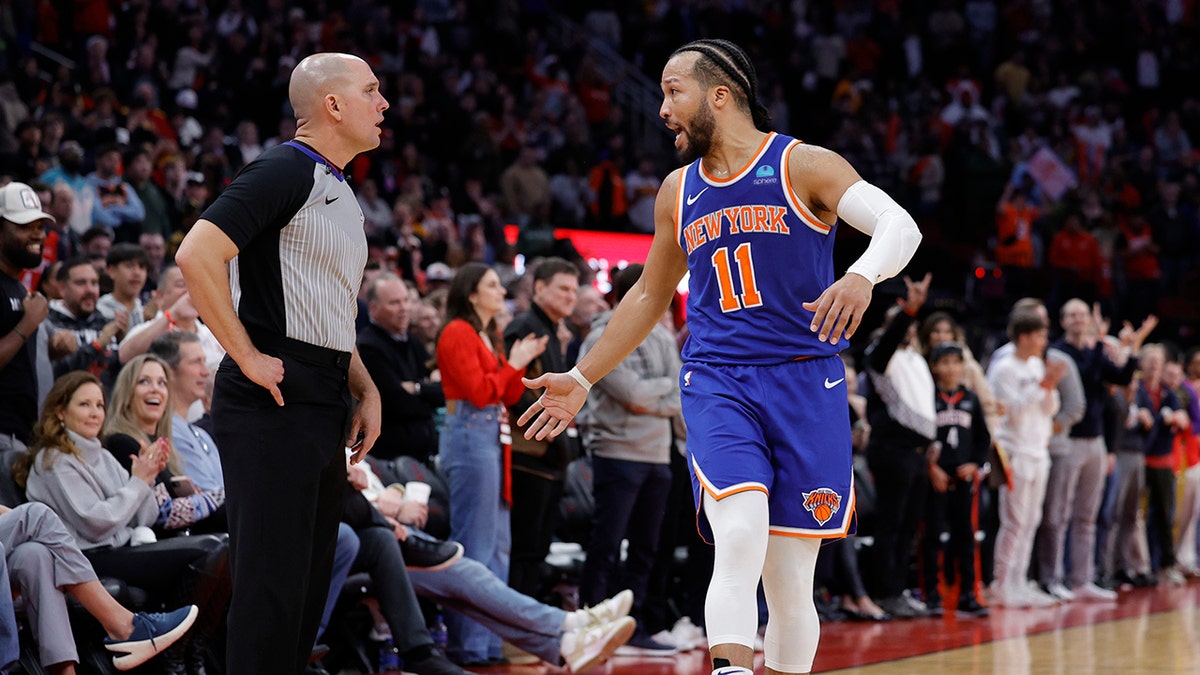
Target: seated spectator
{"x":46,"y":566}
{"x":399,"y":365}
{"x":190,"y":379}
{"x":176,"y":313}
{"x":127,"y":266}
{"x":581,"y":639}
{"x":117,"y":206}
{"x":140,"y":416}
{"x":69,"y":172}
{"x":106,"y":509}
{"x":81,"y":338}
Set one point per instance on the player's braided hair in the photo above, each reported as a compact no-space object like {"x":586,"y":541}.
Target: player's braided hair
{"x":723,"y":62}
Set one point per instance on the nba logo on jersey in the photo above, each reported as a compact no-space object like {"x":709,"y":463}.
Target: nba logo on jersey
{"x":822,"y":503}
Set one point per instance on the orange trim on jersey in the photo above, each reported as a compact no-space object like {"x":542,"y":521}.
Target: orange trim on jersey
{"x":798,"y":206}
{"x":758,"y":154}
{"x":679,"y":210}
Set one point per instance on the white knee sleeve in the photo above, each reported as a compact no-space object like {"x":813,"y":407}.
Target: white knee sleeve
{"x":793,"y":629}
{"x":739,"y":524}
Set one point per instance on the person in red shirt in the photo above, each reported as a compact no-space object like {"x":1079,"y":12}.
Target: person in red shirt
{"x":473,"y":450}
{"x":1075,"y":260}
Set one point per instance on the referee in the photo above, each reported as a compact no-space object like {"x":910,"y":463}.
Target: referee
{"x":274,"y":267}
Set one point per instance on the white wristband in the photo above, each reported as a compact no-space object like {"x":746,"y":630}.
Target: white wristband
{"x":578,"y":377}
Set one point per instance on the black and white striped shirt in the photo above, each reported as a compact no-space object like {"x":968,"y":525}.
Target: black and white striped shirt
{"x":301,"y":246}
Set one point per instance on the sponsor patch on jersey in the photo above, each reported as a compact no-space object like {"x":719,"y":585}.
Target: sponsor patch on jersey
{"x":764,"y":171}
{"x":823,"y":503}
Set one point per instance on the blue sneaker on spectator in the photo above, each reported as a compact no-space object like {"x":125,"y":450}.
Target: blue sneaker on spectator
{"x":152,"y":633}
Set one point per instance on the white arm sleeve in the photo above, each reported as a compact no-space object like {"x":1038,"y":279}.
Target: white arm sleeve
{"x":894,"y":234}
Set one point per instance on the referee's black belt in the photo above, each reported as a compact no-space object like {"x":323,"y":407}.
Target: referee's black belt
{"x":280,"y":344}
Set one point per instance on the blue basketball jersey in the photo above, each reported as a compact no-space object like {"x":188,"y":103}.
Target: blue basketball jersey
{"x":755,"y":252}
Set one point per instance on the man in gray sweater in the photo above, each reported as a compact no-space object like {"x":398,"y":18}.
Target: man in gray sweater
{"x":627,"y":426}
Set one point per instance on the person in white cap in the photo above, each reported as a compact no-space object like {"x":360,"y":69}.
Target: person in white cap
{"x":22,"y":233}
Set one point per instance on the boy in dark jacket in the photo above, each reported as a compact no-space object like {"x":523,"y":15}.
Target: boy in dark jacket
{"x":953,"y":462}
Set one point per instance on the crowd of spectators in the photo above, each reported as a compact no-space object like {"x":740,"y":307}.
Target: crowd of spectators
{"x":1044,"y":148}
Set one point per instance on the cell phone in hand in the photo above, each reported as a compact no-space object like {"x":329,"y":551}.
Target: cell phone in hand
{"x":182,"y":486}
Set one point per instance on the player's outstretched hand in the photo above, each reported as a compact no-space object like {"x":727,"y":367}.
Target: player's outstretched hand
{"x":557,"y":405}
{"x":840,"y":308}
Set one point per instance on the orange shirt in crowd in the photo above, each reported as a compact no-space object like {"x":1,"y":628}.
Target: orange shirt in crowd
{"x":1014,"y":234}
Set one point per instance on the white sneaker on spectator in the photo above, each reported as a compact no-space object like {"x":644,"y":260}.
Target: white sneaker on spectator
{"x":607,"y":611}
{"x":1035,"y":597}
{"x":586,"y":648}
{"x":688,"y":635}
{"x":667,"y":638}
{"x":1060,"y":592}
{"x":1094,"y":593}
{"x":1002,"y":596}
{"x":1171,"y":577}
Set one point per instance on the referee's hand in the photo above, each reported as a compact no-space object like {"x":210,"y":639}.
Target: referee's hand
{"x":266,"y":372}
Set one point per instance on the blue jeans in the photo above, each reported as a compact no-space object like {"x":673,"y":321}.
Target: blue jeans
{"x":471,"y":589}
{"x":631,"y":498}
{"x":469,"y":457}
{"x":343,"y":559}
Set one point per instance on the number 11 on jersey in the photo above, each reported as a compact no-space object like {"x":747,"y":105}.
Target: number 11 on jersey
{"x":731,"y":301}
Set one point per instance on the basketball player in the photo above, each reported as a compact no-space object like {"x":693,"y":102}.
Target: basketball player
{"x":752,"y":217}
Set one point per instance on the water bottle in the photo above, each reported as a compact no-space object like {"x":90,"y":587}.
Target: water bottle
{"x":439,"y":634}
{"x":389,"y":657}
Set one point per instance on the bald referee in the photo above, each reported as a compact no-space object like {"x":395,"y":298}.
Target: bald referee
{"x":274,"y":266}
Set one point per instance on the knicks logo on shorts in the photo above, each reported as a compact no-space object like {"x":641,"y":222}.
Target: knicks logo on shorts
{"x":822,"y":503}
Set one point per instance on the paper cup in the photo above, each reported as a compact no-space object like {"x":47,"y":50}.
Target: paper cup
{"x":416,"y":491}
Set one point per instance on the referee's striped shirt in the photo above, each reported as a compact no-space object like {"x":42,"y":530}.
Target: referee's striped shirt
{"x":301,"y":246}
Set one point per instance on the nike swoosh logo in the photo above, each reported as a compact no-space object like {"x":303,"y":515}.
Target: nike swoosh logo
{"x":831,"y":385}
{"x":329,"y":201}
{"x":692,"y":198}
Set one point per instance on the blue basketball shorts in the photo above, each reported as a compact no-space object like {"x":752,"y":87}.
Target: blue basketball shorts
{"x":783,"y":430}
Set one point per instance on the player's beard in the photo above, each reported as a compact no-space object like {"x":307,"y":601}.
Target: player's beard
{"x":699,"y":132}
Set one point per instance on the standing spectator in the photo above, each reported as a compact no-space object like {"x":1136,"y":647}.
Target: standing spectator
{"x":642,"y":185}
{"x":571,"y":194}
{"x":627,"y":427}
{"x":1139,"y":253}
{"x":138,"y":170}
{"x":81,"y":338}
{"x":1187,"y":511}
{"x":1075,"y":260}
{"x":1026,"y":386}
{"x":1080,"y":461}
{"x":410,"y":391}
{"x":1126,"y":557}
{"x":609,"y":208}
{"x":526,"y":187}
{"x":1159,"y":417}
{"x":903,"y":420}
{"x":378,"y":216}
{"x":1015,"y":217}
{"x":479,"y":381}
{"x":954,"y":460}
{"x":117,"y":205}
{"x":22,"y":227}
{"x":128,"y":267}
{"x":539,"y":466}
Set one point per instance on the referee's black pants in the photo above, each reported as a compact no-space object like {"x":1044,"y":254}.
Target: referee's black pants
{"x":285,"y":479}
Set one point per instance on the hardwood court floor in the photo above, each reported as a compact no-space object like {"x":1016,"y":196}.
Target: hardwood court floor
{"x":1153,"y":630}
